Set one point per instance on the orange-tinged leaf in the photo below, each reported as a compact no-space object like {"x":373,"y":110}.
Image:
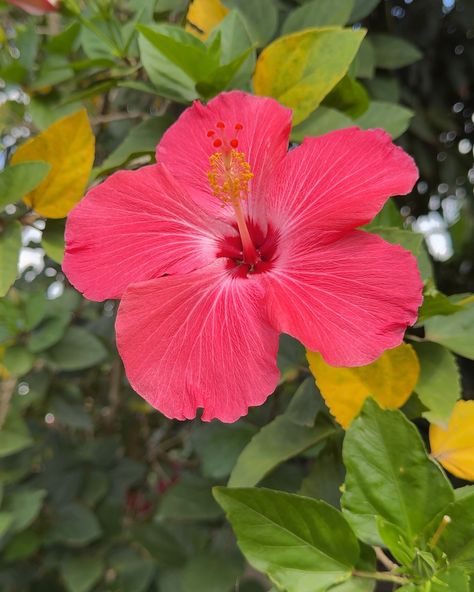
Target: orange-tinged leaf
{"x":389,"y":380}
{"x":68,"y":146}
{"x":453,"y":447}
{"x":204,"y":15}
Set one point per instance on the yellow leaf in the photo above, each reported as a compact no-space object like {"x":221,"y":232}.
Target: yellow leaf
{"x":68,"y":146}
{"x":300,"y":69}
{"x":453,"y":447}
{"x":203,"y":16}
{"x":389,"y":380}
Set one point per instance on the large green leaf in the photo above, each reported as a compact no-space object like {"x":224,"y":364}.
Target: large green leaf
{"x":390,"y":475}
{"x":19,"y":179}
{"x":439,"y":385}
{"x":318,"y":13}
{"x":321,"y":121}
{"x":276,"y":442}
{"x":303,"y":545}
{"x":78,"y":349}
{"x":394,"y":52}
{"x":457,"y":541}
{"x":456,"y":331}
{"x":10,"y":245}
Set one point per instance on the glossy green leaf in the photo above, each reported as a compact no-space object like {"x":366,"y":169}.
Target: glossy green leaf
{"x":393,"y":118}
{"x":19,"y":179}
{"x":390,"y":475}
{"x":10,"y":245}
{"x":394,"y":52}
{"x":456,"y":331}
{"x":303,"y":545}
{"x":439,"y":385}
{"x":318,"y":13}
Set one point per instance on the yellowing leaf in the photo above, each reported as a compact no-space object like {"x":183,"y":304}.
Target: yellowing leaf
{"x":453,"y":447}
{"x":203,"y":16}
{"x":68,"y":146}
{"x":389,"y":380}
{"x":300,"y":69}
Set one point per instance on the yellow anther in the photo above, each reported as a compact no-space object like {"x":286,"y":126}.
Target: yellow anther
{"x":229,"y":176}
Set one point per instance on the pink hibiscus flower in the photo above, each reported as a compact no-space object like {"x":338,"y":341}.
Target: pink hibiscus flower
{"x":36,"y":7}
{"x":230,"y":240}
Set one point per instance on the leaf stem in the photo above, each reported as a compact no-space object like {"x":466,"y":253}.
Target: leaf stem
{"x":384,"y":560}
{"x":381,"y":576}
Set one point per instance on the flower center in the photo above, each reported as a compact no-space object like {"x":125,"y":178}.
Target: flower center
{"x":229,"y":177}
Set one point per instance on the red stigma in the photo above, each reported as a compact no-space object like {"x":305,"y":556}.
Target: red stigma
{"x":217,"y":143}
{"x":238,"y":126}
{"x":210,"y":133}
{"x":234,"y":143}
{"x":220,"y":124}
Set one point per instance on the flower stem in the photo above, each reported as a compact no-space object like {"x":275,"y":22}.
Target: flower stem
{"x":380,"y":576}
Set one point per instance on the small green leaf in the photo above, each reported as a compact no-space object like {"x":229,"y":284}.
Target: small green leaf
{"x":261,"y":18}
{"x":18,"y":360}
{"x":48,"y":333}
{"x":190,"y":499}
{"x":456,"y":331}
{"x":207,"y":572}
{"x":10,"y":245}
{"x":75,"y":525}
{"x":81,"y":573}
{"x":439,"y":385}
{"x":318,"y":13}
{"x":321,"y":121}
{"x":390,"y":475}
{"x":394,"y":52}
{"x":393,"y":118}
{"x":24,"y":505}
{"x":19,"y":179}
{"x":303,"y":545}
{"x":14,"y":435}
{"x":78,"y":349}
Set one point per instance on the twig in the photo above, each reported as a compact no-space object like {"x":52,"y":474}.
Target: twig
{"x":109,"y":117}
{"x":384,"y":560}
{"x":380,"y":576}
{"x":7,"y":387}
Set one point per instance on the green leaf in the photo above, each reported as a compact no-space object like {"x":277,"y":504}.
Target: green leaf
{"x":388,"y":216}
{"x":19,"y":179}
{"x":362,"y":8}
{"x":457,"y":541}
{"x":48,"y":333}
{"x":363,"y":65}
{"x":393,"y":118}
{"x":211,"y":573}
{"x":411,"y":241}
{"x":321,"y":121}
{"x":21,"y":546}
{"x":142,"y":139}
{"x":81,"y":573}
{"x":5,"y":522}
{"x":261,"y":18}
{"x":269,"y":448}
{"x":394,"y":52}
{"x":325,"y":477}
{"x":439,"y":385}
{"x":456,"y":331}
{"x":348,"y":97}
{"x":52,"y":239}
{"x":24,"y":505}
{"x":75,"y":525}
{"x":160,"y":542}
{"x":390,"y":475}
{"x":451,"y":580}
{"x":71,"y":414}
{"x":10,"y":245}
{"x":18,"y":360}
{"x":14,"y":435}
{"x":318,"y":13}
{"x":78,"y":349}
{"x":305,"y":404}
{"x":303,"y":545}
{"x":219,"y":445}
{"x":301,"y":69}
{"x":190,"y":499}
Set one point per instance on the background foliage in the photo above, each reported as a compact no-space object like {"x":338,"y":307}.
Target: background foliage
{"x":98,"y":491}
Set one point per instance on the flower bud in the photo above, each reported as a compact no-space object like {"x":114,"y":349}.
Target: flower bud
{"x":36,"y":7}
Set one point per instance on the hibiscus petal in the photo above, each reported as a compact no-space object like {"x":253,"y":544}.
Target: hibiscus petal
{"x":198,"y":340}
{"x":339,"y":181}
{"x":136,"y":226}
{"x":350,"y":300}
{"x":185,"y":148}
